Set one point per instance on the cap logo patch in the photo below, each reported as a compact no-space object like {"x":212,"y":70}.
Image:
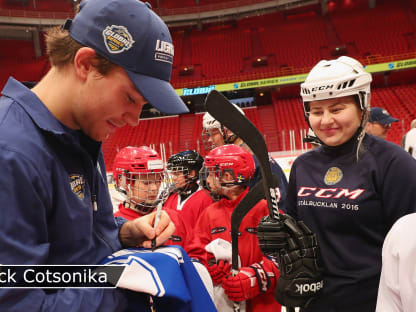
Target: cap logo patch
{"x":164,"y":51}
{"x":76,"y":183}
{"x":333,"y":176}
{"x":117,"y":39}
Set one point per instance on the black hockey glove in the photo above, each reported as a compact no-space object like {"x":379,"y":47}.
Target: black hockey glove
{"x":298,"y":258}
{"x":273,"y":235}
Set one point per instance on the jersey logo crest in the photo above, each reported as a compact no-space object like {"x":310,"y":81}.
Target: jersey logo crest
{"x":333,"y":176}
{"x":117,"y":39}
{"x":218,"y":230}
{"x":175,"y":238}
{"x":251,"y":230}
{"x":77,"y":184}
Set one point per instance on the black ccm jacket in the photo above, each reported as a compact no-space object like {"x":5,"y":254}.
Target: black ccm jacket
{"x":351,"y":206}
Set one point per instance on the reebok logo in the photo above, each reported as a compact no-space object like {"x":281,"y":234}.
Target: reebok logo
{"x":308,"y":288}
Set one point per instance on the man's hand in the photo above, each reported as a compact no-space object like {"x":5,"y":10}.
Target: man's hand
{"x":248,"y":283}
{"x":140,"y":231}
{"x":219,"y":270}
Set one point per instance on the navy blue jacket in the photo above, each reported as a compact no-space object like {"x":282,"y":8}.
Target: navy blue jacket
{"x":351,"y":206}
{"x":278,"y":172}
{"x":50,"y":177}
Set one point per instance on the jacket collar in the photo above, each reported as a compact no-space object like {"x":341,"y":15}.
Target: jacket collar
{"x":45,"y":120}
{"x":34,"y":107}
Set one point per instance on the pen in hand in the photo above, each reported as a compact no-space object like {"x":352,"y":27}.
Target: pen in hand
{"x":157,"y":218}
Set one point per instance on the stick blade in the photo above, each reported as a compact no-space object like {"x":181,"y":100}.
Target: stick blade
{"x":228,"y":115}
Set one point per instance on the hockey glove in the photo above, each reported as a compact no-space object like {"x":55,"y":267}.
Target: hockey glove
{"x":272,"y":235}
{"x":218,"y":271}
{"x":248,"y":283}
{"x":300,"y":268}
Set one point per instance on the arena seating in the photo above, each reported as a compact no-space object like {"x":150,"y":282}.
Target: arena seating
{"x":38,"y":5}
{"x":364,"y":29}
{"x":291,"y":44}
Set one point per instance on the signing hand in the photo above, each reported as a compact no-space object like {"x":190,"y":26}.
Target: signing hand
{"x":140,"y":231}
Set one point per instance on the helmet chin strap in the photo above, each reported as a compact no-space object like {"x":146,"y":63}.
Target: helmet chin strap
{"x":228,"y":139}
{"x":361,"y":129}
{"x":143,"y":208}
{"x":190,"y":187}
{"x":229,"y":188}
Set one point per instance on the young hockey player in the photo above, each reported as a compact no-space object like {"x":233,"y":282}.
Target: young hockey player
{"x":188,"y":199}
{"x":138,"y":174}
{"x":228,"y":169}
{"x":349,"y":192}
{"x":215,"y":134}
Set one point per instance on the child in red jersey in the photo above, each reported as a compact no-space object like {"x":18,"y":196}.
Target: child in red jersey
{"x":228,"y":169}
{"x":188,"y":198}
{"x":138,"y":174}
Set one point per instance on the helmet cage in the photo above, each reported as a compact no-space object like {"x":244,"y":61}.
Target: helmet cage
{"x":205,"y":136}
{"x":218,"y":174}
{"x":184,"y":162}
{"x":209,"y":123}
{"x":177,"y":170}
{"x":146,"y":188}
{"x":233,"y":157}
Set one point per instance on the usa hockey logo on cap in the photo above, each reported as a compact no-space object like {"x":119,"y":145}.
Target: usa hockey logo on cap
{"x":333,"y":176}
{"x":117,"y":39}
{"x":76,"y":182}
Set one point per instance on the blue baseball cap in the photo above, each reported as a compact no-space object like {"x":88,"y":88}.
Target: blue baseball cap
{"x":129,"y":34}
{"x":381,"y":115}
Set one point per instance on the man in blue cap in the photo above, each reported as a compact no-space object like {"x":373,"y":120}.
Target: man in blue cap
{"x":379,"y":122}
{"x":111,"y":59}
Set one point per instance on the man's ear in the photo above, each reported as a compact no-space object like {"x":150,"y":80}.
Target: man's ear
{"x":192,"y":173}
{"x":228,"y":133}
{"x":84,"y":62}
{"x":227,"y":176}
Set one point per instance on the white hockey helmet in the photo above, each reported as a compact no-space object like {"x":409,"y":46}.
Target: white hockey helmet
{"x":209,"y":122}
{"x":337,"y":78}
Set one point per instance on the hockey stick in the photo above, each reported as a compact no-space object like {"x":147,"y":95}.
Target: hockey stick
{"x":254,"y":195}
{"x":223,"y":111}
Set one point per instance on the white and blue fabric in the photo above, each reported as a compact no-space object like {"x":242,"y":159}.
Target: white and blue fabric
{"x":167,"y":274}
